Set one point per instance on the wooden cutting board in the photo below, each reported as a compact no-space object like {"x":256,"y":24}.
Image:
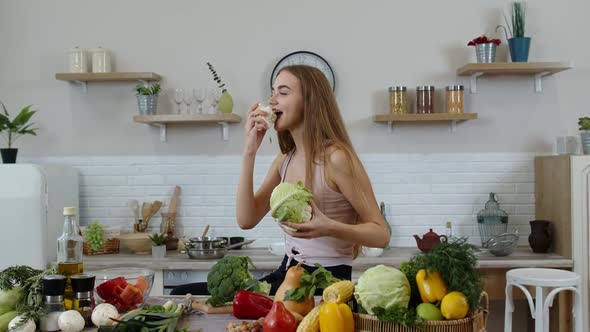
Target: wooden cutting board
{"x":202,"y":306}
{"x":171,"y":217}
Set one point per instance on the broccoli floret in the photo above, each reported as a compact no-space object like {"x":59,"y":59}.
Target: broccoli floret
{"x":229,"y":275}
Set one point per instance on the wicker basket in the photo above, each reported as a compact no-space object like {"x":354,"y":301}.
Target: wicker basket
{"x":111,"y":246}
{"x":475,"y":323}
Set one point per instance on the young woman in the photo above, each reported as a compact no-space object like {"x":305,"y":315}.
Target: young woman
{"x":315,"y":150}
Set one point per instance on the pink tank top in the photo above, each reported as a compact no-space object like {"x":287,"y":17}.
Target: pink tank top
{"x":327,"y":251}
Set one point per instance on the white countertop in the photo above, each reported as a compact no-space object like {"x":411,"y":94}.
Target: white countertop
{"x":264,"y":260}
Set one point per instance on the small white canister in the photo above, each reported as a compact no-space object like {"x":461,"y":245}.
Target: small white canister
{"x":101,"y":60}
{"x":78,"y":60}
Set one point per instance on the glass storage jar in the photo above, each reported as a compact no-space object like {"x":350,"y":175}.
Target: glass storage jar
{"x":492,"y":220}
{"x":455,"y":98}
{"x":425,"y":99}
{"x":398,"y":100}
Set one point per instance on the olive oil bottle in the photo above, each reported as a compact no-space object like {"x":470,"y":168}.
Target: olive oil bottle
{"x":69,"y":253}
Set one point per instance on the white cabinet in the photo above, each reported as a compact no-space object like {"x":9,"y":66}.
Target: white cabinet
{"x":562,"y":196}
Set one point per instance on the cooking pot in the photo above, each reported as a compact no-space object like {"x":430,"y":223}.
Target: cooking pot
{"x":210,"y":248}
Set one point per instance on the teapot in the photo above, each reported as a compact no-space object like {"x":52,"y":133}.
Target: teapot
{"x":429,"y":241}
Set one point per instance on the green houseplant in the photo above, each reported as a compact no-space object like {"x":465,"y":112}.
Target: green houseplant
{"x":517,"y":42}
{"x":584,"y":124}
{"x":94,"y":236}
{"x":14,"y":129}
{"x":147,"y":98}
{"x":158,"y":245}
{"x":226,"y":102}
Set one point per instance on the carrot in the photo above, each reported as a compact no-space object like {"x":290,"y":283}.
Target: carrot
{"x":141,"y":284}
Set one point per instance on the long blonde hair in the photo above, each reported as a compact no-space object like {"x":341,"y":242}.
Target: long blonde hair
{"x":323,"y":126}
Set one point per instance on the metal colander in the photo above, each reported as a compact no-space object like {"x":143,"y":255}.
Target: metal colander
{"x":503,"y":244}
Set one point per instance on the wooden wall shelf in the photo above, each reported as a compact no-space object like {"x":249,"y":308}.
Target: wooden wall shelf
{"x":162,"y":120}
{"x":83,"y":78}
{"x":536,"y":69}
{"x":453,"y":118}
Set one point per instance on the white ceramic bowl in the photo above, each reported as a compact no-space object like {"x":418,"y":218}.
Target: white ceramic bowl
{"x":277,"y":248}
{"x":372,"y":252}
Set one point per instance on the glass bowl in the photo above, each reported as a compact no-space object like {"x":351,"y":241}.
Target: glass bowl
{"x":125,"y":288}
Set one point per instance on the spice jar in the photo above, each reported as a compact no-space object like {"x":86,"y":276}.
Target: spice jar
{"x":53,"y":301}
{"x":425,"y":99}
{"x":83,"y":286}
{"x":455,"y":97}
{"x":398,"y":100}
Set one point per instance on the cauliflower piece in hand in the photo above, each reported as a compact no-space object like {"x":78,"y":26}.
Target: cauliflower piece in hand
{"x":270,"y":117}
{"x":290,"y":202}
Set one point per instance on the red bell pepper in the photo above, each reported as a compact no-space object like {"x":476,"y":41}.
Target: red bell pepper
{"x":249,"y":305}
{"x":107,"y":289}
{"x":279,"y":319}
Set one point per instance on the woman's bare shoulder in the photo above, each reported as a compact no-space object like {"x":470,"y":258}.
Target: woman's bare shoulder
{"x":339,"y":159}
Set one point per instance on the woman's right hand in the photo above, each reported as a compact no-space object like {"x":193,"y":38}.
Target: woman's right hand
{"x":256,"y":127}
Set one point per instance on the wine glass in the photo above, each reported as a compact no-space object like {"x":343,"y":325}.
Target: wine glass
{"x":188,"y":100}
{"x":200,"y":94}
{"x":214,"y":97}
{"x":178,"y":97}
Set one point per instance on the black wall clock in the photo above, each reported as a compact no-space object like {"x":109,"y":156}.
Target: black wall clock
{"x":305,"y":58}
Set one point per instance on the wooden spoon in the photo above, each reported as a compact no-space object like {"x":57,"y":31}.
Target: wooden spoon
{"x":205,"y":231}
{"x":145,"y":214}
{"x":155,"y":207}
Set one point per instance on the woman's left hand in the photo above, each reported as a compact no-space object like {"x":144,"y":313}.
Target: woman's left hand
{"x":318,"y":226}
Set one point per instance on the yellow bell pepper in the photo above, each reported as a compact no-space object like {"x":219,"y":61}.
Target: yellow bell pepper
{"x":431,"y":286}
{"x":336,"y":318}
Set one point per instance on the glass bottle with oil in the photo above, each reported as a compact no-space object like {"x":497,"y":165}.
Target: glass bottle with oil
{"x":69,"y":253}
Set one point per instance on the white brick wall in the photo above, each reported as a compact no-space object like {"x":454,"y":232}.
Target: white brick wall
{"x":420,"y":191}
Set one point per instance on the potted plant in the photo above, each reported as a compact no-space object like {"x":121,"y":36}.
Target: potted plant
{"x":14,"y":129}
{"x":485,"y":49}
{"x":585,"y":133}
{"x":226,"y":102}
{"x":94,"y":236}
{"x":147,"y":98}
{"x":519,"y":44}
{"x":158,"y":245}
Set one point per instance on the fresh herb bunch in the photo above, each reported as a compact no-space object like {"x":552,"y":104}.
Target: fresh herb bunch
{"x":30,"y":306}
{"x":16,"y":276}
{"x":318,"y":279}
{"x":158,"y":239}
{"x":150,"y":319}
{"x":400,"y":315}
{"x":584,"y":123}
{"x":216,"y":77}
{"x":94,"y":235}
{"x":456,"y":260}
{"x":410,"y":269}
{"x":152,"y":90}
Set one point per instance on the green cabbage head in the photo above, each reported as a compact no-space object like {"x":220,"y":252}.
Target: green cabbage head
{"x":289,"y":202}
{"x":382,"y":286}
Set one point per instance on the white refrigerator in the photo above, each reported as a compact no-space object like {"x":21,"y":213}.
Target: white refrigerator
{"x":32,"y":198}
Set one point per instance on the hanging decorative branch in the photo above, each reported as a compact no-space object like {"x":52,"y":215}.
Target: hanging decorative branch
{"x":216,"y":77}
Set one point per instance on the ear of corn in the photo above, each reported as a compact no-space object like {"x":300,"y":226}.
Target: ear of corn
{"x":311,"y":321}
{"x":339,"y":292}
